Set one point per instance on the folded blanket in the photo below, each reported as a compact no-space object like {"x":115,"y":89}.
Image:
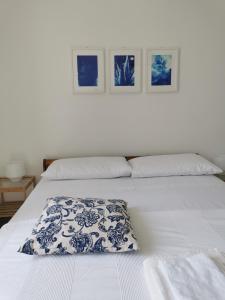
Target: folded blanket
{"x":194,"y":277}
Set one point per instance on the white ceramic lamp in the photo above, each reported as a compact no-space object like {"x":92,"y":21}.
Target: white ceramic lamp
{"x":15,"y":171}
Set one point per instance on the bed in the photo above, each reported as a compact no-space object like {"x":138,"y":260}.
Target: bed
{"x":171,"y":215}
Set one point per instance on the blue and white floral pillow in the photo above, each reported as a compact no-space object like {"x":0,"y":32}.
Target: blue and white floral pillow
{"x":88,"y":225}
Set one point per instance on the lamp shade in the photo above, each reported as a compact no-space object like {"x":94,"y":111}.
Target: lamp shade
{"x":15,"y":171}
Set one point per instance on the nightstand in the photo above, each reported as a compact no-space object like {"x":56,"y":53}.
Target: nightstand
{"x":9,"y":208}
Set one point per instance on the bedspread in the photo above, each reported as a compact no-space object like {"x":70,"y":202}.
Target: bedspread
{"x":107,"y":276}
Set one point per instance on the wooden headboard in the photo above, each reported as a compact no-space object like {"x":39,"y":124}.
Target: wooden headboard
{"x":48,"y":161}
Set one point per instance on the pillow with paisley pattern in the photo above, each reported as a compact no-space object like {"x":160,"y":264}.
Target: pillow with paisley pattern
{"x":74,"y":225}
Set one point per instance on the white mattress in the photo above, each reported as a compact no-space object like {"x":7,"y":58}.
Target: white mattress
{"x":171,"y":216}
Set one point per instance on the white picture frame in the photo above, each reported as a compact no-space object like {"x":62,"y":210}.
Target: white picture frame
{"x":162,"y":70}
{"x":125,"y":70}
{"x":88,"y":71}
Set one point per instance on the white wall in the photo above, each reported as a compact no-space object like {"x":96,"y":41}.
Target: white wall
{"x":39,"y":115}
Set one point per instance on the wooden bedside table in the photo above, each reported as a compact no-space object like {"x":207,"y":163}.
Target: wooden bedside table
{"x":8,"y":209}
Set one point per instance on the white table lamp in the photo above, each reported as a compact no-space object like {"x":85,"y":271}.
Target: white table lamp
{"x":15,"y":170}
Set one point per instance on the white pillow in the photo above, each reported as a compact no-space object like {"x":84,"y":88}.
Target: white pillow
{"x":88,"y":168}
{"x":174,"y":164}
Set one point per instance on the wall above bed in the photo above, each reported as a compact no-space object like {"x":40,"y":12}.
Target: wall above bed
{"x":41,"y":117}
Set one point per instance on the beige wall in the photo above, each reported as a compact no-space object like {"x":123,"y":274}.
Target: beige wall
{"x":39,"y":115}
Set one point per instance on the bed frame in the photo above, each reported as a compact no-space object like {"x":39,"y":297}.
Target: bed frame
{"x":48,"y":161}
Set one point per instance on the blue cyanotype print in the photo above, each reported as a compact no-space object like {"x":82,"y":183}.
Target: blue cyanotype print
{"x":161,"y":70}
{"x":124,"y":70}
{"x":87,"y":67}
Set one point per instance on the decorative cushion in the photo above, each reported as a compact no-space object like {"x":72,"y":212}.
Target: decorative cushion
{"x":88,"y":225}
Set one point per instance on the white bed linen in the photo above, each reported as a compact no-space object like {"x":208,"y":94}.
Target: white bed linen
{"x":199,"y":276}
{"x":170,"y":215}
{"x":148,"y":194}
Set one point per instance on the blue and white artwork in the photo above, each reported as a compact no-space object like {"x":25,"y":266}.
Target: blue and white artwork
{"x":161,"y":70}
{"x":124,"y":72}
{"x":87,"y":69}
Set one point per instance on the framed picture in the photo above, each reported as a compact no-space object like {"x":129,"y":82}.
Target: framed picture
{"x":125,"y":70}
{"x":162,"y":70}
{"x":88,"y":70}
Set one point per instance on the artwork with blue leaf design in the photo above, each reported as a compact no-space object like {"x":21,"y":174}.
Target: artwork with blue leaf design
{"x":89,"y":225}
{"x":161,"y":70}
{"x":87,"y":68}
{"x":124,"y":70}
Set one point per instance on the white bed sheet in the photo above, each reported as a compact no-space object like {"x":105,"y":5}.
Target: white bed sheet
{"x":148,"y":194}
{"x":170,"y":215}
